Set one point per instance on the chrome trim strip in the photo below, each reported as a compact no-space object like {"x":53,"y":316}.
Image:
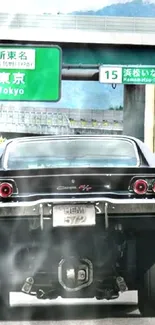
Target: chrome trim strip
{"x":106,"y":216}
{"x":87,"y":174}
{"x":41,"y":217}
{"x":78,"y":200}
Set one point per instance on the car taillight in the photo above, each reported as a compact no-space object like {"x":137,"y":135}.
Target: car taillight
{"x":6,"y":190}
{"x":140,"y":186}
{"x":153,"y":188}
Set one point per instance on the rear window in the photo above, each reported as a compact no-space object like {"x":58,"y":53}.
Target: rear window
{"x":71,"y":153}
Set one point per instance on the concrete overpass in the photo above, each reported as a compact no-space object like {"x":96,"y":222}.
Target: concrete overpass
{"x":89,"y":41}
{"x":101,"y":40}
{"x":78,"y":29}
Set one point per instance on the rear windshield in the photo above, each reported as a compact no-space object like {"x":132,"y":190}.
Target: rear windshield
{"x":71,"y":153}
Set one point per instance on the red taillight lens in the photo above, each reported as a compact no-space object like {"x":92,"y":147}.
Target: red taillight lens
{"x":6,"y":190}
{"x":153,"y":187}
{"x":140,"y":186}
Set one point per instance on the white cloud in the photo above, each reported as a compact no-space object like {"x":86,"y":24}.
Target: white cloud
{"x":55,"y":6}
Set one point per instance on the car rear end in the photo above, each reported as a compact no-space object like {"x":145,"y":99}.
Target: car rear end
{"x":70,"y":212}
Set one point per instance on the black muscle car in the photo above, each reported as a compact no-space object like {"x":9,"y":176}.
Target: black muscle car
{"x":77,"y":217}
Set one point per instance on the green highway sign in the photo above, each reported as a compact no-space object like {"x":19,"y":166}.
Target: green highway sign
{"x":127,"y":75}
{"x":30,"y":73}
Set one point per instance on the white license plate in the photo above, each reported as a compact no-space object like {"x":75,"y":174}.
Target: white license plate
{"x":74,"y":215}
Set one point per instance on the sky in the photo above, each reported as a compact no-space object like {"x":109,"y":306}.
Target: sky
{"x":63,"y":6}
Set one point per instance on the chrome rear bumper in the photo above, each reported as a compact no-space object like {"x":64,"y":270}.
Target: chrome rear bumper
{"x":111,"y":206}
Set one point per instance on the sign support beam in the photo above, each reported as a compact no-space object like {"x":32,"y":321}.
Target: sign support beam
{"x":80,"y":74}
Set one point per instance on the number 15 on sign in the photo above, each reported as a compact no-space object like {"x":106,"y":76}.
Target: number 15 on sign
{"x":112,"y":75}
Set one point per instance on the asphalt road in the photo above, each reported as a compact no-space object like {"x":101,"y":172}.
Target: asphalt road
{"x":27,"y":310}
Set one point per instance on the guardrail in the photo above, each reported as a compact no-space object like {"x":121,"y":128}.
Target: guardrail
{"x":87,"y":23}
{"x":25,"y":120}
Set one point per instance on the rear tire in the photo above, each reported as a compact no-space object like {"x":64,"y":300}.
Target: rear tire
{"x":146,"y":274}
{"x":4,"y":305}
